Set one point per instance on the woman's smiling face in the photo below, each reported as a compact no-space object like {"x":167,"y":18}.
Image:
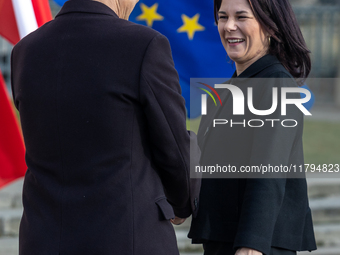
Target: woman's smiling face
{"x":241,"y":34}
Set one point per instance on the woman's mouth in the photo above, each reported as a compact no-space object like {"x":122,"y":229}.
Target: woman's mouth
{"x":234,"y":41}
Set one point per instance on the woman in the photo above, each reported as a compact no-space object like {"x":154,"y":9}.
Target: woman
{"x":256,"y":216}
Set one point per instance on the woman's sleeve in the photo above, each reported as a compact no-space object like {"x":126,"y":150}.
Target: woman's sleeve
{"x":272,"y":146}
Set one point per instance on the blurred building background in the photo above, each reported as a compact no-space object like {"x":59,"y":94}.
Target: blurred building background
{"x":320,"y":24}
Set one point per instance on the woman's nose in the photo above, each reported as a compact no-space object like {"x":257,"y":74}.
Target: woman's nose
{"x":230,"y":25}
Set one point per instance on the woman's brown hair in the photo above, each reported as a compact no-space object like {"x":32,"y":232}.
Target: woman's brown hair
{"x":287,"y":42}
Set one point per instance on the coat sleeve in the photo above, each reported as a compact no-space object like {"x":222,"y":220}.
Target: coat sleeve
{"x":263,"y":197}
{"x":164,"y":107}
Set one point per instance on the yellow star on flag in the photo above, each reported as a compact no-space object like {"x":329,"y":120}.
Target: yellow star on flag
{"x":190,"y":25}
{"x":149,"y":14}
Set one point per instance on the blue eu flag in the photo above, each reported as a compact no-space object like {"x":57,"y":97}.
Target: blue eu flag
{"x":196,"y":46}
{"x":195,"y":42}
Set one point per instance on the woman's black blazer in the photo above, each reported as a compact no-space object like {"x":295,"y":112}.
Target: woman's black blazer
{"x":254,"y":212}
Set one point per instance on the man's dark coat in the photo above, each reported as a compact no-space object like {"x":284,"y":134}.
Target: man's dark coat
{"x":104,"y":125}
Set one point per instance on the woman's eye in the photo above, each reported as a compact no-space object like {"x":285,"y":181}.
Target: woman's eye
{"x":242,"y":17}
{"x":223,"y":17}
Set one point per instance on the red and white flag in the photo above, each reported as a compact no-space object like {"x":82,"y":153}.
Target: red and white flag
{"x":12,"y":150}
{"x":17,"y":19}
{"x":20,"y":17}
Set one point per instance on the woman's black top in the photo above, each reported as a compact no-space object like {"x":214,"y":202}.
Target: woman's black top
{"x":254,"y":212}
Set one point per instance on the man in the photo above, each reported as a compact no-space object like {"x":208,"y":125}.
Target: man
{"x":104,"y":126}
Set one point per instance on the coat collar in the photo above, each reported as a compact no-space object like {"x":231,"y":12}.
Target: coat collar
{"x":258,"y":66}
{"x":86,"y":6}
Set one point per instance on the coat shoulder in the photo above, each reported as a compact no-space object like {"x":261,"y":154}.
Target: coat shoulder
{"x":143,"y":32}
{"x":111,"y":29}
{"x":278,"y":76}
{"x":276,"y":70}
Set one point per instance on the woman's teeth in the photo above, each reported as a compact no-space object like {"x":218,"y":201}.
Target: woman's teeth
{"x":235,"y":40}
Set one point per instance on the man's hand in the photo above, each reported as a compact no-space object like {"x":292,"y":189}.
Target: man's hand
{"x":247,"y":251}
{"x":177,"y":221}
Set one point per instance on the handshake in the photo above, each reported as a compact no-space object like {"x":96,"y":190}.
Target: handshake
{"x":177,"y":220}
